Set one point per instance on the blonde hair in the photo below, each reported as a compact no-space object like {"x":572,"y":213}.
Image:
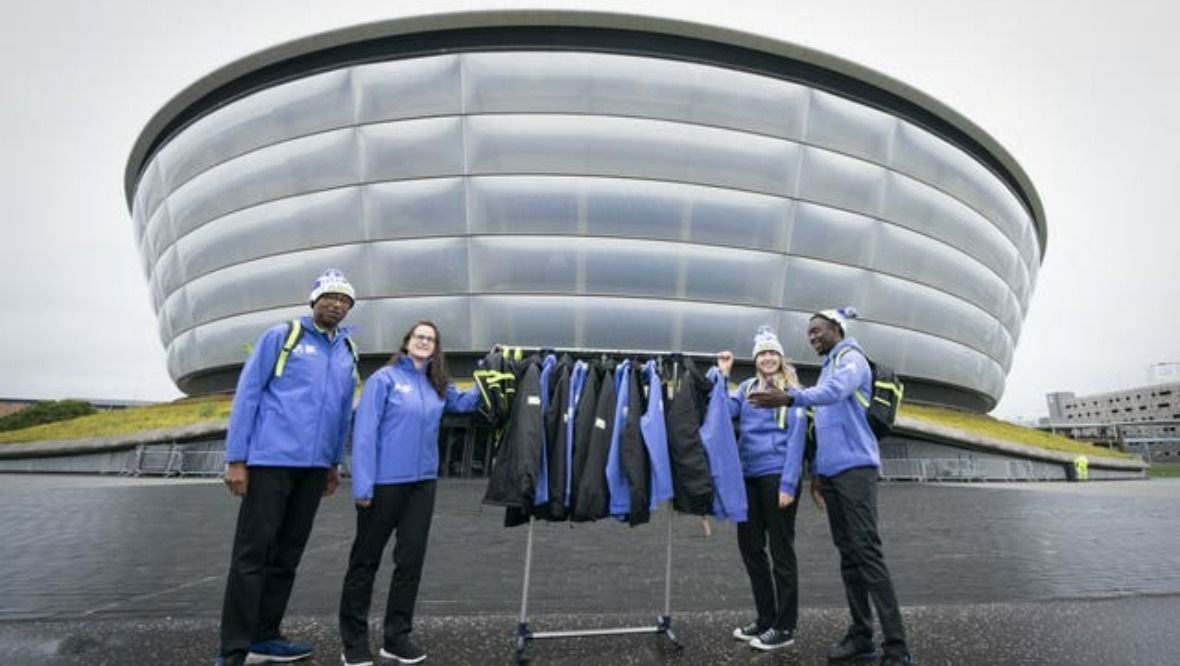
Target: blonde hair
{"x":784,"y":377}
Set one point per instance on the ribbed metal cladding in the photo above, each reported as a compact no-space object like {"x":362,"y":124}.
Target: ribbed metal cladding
{"x":578,"y":198}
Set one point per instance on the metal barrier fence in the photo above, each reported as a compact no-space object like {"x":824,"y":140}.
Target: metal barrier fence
{"x":188,"y":459}
{"x":208,"y":459}
{"x":969,"y":469}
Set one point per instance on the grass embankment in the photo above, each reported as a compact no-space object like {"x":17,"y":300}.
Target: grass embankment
{"x":981,"y":424}
{"x":195,"y":410}
{"x":123,"y":421}
{"x":1164,"y":471}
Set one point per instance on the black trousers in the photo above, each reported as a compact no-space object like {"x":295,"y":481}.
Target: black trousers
{"x":407,"y":508}
{"x":851,"y":499}
{"x":274,"y":521}
{"x":776,"y":596}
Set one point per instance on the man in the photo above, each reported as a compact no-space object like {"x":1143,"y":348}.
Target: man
{"x":846,"y":468}
{"x":286,"y":437}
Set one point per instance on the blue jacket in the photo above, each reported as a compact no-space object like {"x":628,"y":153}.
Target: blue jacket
{"x":771,"y":441}
{"x":655,"y":437}
{"x":395,"y":438}
{"x":541,"y":494}
{"x":729,"y":499}
{"x":616,"y":478}
{"x":843,"y":439}
{"x":299,"y":419}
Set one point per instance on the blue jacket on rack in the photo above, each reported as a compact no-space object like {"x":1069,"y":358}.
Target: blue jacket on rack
{"x":577,"y":384}
{"x":770,"y":441}
{"x":655,"y":436}
{"x":843,"y":439}
{"x":301,"y":418}
{"x":729,"y":500}
{"x":395,"y":439}
{"x":542,"y":492}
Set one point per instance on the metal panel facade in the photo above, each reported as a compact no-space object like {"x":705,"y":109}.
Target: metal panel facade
{"x":583,"y":199}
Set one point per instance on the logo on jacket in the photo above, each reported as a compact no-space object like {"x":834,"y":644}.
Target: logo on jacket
{"x":403,"y":388}
{"x":304,"y":348}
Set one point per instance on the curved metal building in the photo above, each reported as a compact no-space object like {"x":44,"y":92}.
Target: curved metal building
{"x":583,"y":180}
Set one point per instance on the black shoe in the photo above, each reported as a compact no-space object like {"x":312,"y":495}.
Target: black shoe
{"x":404,"y":651}
{"x":903,"y":659}
{"x":356,"y":659}
{"x":748,"y":632}
{"x":851,"y":649}
{"x":773,"y":639}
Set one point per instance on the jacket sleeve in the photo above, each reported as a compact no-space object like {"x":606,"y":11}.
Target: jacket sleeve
{"x":345,"y":421}
{"x":243,"y":418}
{"x":796,"y":442}
{"x":365,"y":432}
{"x":839,"y":384}
{"x":461,"y":401}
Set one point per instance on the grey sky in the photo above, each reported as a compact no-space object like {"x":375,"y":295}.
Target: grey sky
{"x":1083,"y":93}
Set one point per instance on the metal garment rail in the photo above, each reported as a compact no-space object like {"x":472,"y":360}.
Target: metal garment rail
{"x":663,"y":622}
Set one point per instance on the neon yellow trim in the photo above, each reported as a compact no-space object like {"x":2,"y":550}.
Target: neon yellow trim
{"x":288,"y":345}
{"x":781,"y":417}
{"x":484,"y":394}
{"x":864,"y":402}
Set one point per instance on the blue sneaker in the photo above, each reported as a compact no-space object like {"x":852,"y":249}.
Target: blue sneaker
{"x":277,"y":650}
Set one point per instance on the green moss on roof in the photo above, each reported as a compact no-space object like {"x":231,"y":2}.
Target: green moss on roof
{"x":981,"y":424}
{"x":124,"y":421}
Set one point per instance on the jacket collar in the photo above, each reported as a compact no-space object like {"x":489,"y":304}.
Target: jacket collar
{"x":406,"y":363}
{"x":309,"y":326}
{"x":847,"y":342}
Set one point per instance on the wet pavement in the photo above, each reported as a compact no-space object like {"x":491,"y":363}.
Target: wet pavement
{"x":100,"y":570}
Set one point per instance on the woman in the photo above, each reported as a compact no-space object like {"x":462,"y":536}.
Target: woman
{"x":770,"y":444}
{"x":394,"y":467}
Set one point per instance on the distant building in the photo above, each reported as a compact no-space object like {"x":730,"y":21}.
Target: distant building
{"x":1164,"y":373}
{"x":1145,"y":419}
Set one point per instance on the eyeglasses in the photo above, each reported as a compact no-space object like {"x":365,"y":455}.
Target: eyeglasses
{"x":420,"y":337}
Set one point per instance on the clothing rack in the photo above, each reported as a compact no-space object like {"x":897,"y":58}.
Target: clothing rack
{"x":663,"y":622}
{"x":585,"y":353}
{"x":663,"y":625}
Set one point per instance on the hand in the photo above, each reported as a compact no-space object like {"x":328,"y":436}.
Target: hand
{"x":725,"y":362}
{"x":817,"y":496}
{"x":237,"y":478}
{"x":332,"y":481}
{"x":771,"y":397}
{"x":784,"y":500}
{"x":364,"y":503}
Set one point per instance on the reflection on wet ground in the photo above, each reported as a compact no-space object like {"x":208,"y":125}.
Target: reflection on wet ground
{"x":79,"y":549}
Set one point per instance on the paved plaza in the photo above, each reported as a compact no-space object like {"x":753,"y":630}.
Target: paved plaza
{"x":126,"y":571}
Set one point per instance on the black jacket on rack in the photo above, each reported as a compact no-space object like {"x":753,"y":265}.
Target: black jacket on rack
{"x":583,"y":429}
{"x":593,"y":497}
{"x":692,"y":479}
{"x":555,"y":439}
{"x":633,"y":454}
{"x":515,"y":470}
